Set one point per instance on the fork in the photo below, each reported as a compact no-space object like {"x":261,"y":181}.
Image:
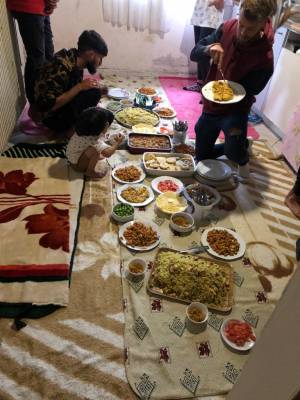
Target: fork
{"x":223,"y":77}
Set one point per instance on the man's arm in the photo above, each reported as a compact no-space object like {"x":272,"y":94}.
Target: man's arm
{"x":202,"y":47}
{"x":51,"y":84}
{"x":254,"y":82}
{"x":74,"y":91}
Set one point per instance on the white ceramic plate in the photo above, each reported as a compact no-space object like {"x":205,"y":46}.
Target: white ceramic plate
{"x":165,"y":117}
{"x":159,"y":179}
{"x":142,"y":177}
{"x":215,"y":170}
{"x":148,"y":95}
{"x":118,"y":93}
{"x":247,"y":346}
{"x":238,"y":90}
{"x":144,"y":203}
{"x":137,"y":248}
{"x":241,"y":241}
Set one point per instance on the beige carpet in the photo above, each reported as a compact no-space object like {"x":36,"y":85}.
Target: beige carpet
{"x":77,"y":352}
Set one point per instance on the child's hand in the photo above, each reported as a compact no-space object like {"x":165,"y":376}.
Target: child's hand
{"x":119,"y":138}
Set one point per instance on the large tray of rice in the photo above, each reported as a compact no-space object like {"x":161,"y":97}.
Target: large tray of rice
{"x":187,"y":278}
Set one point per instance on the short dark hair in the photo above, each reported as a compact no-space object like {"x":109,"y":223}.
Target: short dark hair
{"x":258,"y":10}
{"x":92,"y":121}
{"x":91,"y":40}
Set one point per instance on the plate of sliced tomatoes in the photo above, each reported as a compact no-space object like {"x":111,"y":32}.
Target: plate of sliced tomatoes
{"x":238,"y":334}
{"x":164,"y":184}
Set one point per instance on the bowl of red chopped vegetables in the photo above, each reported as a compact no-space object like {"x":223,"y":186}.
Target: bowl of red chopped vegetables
{"x":164,"y":184}
{"x":238,"y":334}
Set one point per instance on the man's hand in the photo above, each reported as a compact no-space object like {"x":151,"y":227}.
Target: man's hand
{"x":50,"y":5}
{"x":87,"y":84}
{"x":218,"y":4}
{"x":103,"y":90}
{"x":216,"y":52}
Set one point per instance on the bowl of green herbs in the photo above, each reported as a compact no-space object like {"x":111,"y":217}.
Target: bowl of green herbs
{"x":122,"y":212}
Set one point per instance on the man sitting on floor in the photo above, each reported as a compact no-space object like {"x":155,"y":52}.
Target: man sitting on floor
{"x":61,"y":94}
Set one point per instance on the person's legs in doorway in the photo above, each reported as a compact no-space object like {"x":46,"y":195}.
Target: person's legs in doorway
{"x":49,"y":47}
{"x":203,"y":65}
{"x":32,"y":30}
{"x":292,"y":200}
{"x":207,"y":130}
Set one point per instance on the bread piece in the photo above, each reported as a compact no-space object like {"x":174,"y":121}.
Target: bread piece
{"x":171,"y":160}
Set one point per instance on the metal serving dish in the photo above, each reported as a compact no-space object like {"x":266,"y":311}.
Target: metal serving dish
{"x":139,"y":143}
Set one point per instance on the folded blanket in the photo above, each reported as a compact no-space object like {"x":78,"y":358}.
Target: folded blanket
{"x":39,"y":203}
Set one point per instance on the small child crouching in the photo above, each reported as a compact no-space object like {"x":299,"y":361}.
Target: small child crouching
{"x":87,"y":150}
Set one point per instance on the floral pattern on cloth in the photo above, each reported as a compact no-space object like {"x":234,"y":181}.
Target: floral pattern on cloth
{"x":54,"y":221}
{"x":39,"y":200}
{"x":205,"y":15}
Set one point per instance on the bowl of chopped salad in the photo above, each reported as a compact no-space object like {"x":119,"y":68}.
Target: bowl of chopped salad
{"x":163,"y":184}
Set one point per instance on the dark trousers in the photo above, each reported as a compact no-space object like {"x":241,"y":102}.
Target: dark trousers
{"x":297,"y":184}
{"x":65,"y":117}
{"x":234,"y":127}
{"x":203,"y":65}
{"x":37,"y":36}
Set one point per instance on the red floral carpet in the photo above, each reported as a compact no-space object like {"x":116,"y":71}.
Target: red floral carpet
{"x":38,"y":219}
{"x":186,"y":103}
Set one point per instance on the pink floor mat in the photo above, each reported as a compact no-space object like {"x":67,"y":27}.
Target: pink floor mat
{"x":26,"y":125}
{"x":186,"y":103}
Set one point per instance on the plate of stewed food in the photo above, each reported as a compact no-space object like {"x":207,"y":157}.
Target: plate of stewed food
{"x":165,"y":112}
{"x":137,"y":195}
{"x":147,"y":91}
{"x":128,"y":173}
{"x":223,"y":92}
{"x":139,"y":235}
{"x":223,"y":243}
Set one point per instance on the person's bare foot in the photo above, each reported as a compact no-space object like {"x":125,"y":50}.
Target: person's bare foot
{"x":96,"y":175}
{"x":293,"y":203}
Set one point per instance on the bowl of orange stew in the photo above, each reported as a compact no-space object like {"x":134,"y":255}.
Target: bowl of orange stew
{"x":182,"y":222}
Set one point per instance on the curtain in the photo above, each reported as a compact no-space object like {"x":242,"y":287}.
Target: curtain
{"x":141,"y":15}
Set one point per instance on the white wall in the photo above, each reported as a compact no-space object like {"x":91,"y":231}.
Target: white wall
{"x":129,"y":50}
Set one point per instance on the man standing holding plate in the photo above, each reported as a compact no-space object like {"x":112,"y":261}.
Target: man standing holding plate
{"x":241,"y":51}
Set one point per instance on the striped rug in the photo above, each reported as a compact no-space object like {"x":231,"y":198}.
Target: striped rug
{"x":77,"y":353}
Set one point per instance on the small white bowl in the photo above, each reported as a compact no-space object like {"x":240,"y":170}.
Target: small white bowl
{"x":182,"y":229}
{"x":196,"y":326}
{"x":136,"y":276}
{"x":126,"y":103}
{"x":124,"y":218}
